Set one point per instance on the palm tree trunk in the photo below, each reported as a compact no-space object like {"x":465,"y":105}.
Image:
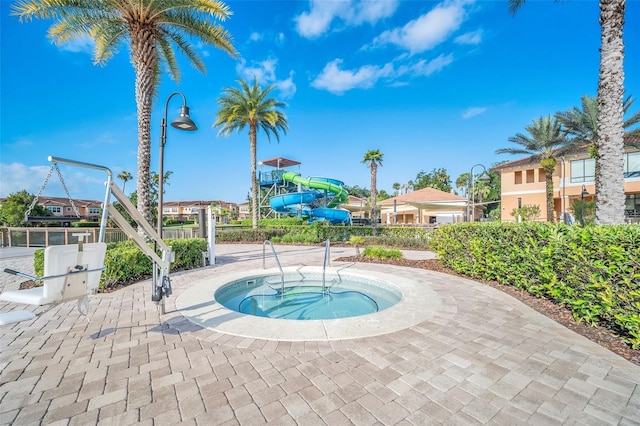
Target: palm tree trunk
{"x":254,"y":182}
{"x":144,"y":58}
{"x":610,"y":147}
{"x":374,"y":196}
{"x":551,"y":216}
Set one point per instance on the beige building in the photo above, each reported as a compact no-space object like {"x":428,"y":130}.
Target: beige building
{"x":424,"y":206}
{"x":189,"y":210}
{"x":523,"y":183}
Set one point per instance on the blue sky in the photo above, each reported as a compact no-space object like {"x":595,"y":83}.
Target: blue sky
{"x":429,"y":84}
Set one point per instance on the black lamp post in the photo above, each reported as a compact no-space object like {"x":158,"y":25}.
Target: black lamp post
{"x":582,"y":194}
{"x":483,"y":177}
{"x":183,"y":122}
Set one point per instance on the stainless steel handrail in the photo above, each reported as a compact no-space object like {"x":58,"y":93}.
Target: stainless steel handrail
{"x":327,"y":259}
{"x":277,"y":260}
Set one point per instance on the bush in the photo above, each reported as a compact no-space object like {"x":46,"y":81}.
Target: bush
{"x":382,"y":253}
{"x":594,"y":271}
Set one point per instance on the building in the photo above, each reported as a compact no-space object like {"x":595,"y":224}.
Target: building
{"x":424,"y":206}
{"x":524,"y":182}
{"x":66,"y":210}
{"x":189,"y":210}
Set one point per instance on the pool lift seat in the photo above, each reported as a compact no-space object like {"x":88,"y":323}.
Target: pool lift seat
{"x":71,"y":272}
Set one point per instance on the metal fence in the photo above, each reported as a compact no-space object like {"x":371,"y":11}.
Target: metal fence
{"x":44,"y":237}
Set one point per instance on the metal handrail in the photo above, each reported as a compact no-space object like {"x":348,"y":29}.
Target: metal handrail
{"x":277,"y":260}
{"x":327,"y":258}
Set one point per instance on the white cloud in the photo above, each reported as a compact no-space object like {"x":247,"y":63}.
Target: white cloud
{"x":17,"y":176}
{"x":265,"y":72}
{"x":425,"y":68}
{"x":473,"y":37}
{"x":255,"y":36}
{"x":350,"y":12}
{"x":286,"y":87}
{"x":427,"y":31}
{"x":472,"y":112}
{"x":338,"y":81}
{"x":82,"y":44}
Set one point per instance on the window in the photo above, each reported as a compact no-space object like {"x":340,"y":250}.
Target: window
{"x":542,"y":175}
{"x":94,"y":210}
{"x":530,"y":176}
{"x":632,"y":164}
{"x":517,"y":178}
{"x":68,"y":209}
{"x":583,"y":170}
{"x":55,"y":209}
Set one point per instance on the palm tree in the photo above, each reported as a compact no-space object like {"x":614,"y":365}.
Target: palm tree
{"x":124,"y":177}
{"x":547,"y":141}
{"x":610,"y":144}
{"x":582,"y":124}
{"x":151,"y":28}
{"x":251,"y":106}
{"x":372,"y":159}
{"x":396,"y":188}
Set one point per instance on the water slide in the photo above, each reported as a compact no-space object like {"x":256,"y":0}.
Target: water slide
{"x":302,"y":202}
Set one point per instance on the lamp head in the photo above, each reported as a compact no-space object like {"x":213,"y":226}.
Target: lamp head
{"x":584,"y":191}
{"x":484,"y":177}
{"x":184,"y":122}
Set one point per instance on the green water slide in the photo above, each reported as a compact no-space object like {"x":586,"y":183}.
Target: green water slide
{"x":332,"y":186}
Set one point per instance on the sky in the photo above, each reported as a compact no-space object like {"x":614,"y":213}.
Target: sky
{"x":431,"y":85}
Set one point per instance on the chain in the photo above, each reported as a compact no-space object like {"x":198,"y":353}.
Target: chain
{"x":35,"y":199}
{"x":44,"y":184}
{"x":73,"y":205}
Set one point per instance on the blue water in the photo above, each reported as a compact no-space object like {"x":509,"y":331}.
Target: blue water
{"x":305,"y":298}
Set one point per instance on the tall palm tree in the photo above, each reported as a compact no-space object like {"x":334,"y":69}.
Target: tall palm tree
{"x":610,"y":145}
{"x":151,"y":28}
{"x":124,"y":177}
{"x":547,"y":142}
{"x":251,"y":106}
{"x":373,"y":159}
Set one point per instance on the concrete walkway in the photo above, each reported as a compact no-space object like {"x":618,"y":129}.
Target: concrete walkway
{"x":480,"y":357}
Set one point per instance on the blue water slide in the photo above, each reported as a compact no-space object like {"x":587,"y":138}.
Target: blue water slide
{"x":294,"y":202}
{"x":332,"y":215}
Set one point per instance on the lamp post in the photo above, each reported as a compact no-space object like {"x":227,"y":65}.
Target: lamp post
{"x":582,"y":194}
{"x":483,"y":177}
{"x":183,"y":122}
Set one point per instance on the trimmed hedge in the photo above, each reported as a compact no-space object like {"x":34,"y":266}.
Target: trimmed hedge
{"x":594,"y":271}
{"x":126,"y":263}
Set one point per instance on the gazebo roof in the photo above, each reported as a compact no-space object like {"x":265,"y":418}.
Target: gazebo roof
{"x":279,"y":162}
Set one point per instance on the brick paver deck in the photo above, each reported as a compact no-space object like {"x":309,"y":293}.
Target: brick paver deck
{"x":481,"y":358}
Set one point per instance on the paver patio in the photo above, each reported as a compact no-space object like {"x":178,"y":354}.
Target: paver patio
{"x":482,"y":357}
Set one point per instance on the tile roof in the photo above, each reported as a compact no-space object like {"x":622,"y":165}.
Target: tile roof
{"x":423,"y":195}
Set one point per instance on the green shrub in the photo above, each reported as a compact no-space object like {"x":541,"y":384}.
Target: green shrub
{"x":382,"y":253}
{"x":594,"y":271}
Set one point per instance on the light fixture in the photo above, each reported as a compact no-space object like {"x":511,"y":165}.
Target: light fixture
{"x":484,"y":177}
{"x":182,"y":122}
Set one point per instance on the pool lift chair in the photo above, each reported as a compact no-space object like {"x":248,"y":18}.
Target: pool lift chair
{"x":72,"y":272}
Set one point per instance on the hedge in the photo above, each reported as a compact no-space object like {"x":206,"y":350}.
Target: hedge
{"x":594,"y":271}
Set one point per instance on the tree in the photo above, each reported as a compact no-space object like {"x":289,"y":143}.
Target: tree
{"x":251,"y":106}
{"x":16,"y":205}
{"x":581,"y":125}
{"x":372,"y":159}
{"x":152,"y":29}
{"x":124,"y":177}
{"x":547,"y":142}
{"x":396,"y":188}
{"x":610,"y":145}
{"x":437,"y":179}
